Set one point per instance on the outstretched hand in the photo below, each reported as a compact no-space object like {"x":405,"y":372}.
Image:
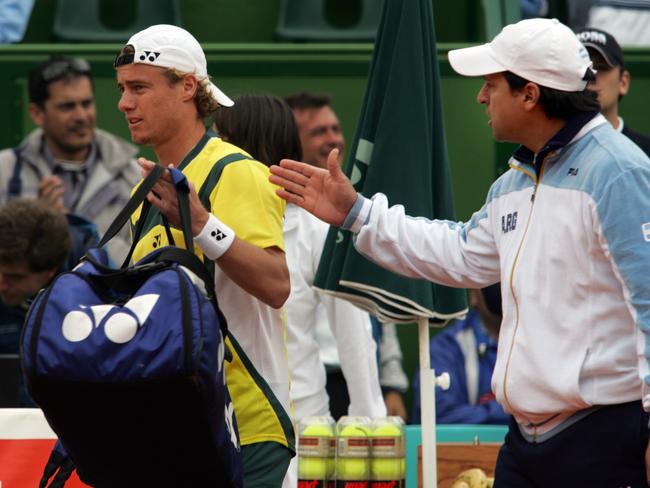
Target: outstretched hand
{"x":328,"y":194}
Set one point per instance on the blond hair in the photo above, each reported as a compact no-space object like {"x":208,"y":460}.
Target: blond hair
{"x":205,"y":103}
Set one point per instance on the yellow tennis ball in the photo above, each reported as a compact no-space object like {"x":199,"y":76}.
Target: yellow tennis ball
{"x":353,"y":430}
{"x":387,"y":462}
{"x":387,"y":430}
{"x":331,"y":467}
{"x":351,"y":468}
{"x":318,"y":430}
{"x":355,"y":465}
{"x":386,"y":469}
{"x":312,"y":468}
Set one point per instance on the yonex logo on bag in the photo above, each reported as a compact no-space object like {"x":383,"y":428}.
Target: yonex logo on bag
{"x":229,"y":411}
{"x":156,"y":240}
{"x":120,"y":323}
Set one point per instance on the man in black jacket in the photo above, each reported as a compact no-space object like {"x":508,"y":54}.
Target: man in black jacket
{"x":612,"y":80}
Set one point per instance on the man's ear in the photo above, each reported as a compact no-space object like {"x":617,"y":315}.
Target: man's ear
{"x":190,"y":86}
{"x":624,"y":83}
{"x":530,"y":95}
{"x":37,"y":114}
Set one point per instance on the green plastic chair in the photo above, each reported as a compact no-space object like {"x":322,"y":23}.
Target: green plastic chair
{"x":86,"y":20}
{"x":308,"y":20}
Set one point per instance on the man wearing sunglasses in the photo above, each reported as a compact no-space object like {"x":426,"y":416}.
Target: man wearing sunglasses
{"x":67,"y":161}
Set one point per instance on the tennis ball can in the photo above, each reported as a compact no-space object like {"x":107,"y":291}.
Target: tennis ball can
{"x":316,"y":445}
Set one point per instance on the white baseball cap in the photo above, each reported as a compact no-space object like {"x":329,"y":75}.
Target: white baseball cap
{"x":169,"y":46}
{"x":543,"y":51}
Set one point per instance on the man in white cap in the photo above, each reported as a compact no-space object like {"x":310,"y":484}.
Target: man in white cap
{"x":567,"y":232}
{"x":236,"y":224}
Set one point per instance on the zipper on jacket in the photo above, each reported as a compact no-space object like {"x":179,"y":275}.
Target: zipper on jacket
{"x":511,"y":281}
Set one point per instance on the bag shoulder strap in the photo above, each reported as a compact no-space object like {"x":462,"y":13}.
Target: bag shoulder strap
{"x":138,"y":197}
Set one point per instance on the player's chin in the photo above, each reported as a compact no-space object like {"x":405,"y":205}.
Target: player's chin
{"x":139,"y":137}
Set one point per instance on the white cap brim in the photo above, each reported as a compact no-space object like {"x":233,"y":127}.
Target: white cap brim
{"x":220,"y":96}
{"x":475,"y":61}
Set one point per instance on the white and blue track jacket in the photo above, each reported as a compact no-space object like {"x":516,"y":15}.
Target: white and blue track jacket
{"x":570,"y":243}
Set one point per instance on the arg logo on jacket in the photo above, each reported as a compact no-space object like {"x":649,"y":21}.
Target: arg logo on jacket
{"x":120,"y":323}
{"x":508,"y":222}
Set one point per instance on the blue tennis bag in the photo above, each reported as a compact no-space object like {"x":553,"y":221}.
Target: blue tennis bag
{"x":127,"y":365}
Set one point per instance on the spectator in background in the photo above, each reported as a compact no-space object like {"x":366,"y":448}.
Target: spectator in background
{"x":259,"y":125}
{"x":612,"y":80}
{"x":263,"y":125}
{"x":467,"y":350}
{"x":66,"y":161}
{"x":318,"y":126}
{"x":36,"y":243}
{"x":320,"y":132}
{"x":14,"y":17}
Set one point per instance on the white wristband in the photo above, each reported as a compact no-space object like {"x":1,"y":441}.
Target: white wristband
{"x":215,"y":238}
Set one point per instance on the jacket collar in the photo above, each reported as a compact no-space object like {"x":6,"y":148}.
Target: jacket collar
{"x":571,"y":130}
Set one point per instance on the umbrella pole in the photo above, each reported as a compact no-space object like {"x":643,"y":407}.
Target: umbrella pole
{"x":427,"y":408}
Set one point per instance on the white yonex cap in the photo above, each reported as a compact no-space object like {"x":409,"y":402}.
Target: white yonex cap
{"x":543,"y":51}
{"x":169,"y":46}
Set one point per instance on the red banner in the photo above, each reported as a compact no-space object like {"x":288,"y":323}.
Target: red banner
{"x":26,"y":441}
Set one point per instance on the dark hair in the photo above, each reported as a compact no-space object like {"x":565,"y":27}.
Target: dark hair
{"x":556,"y":103}
{"x":262,"y":125}
{"x":55,"y":68}
{"x":33,"y":232}
{"x":306,"y":100}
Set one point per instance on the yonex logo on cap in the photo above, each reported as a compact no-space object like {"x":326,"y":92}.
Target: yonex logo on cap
{"x":150,"y":56}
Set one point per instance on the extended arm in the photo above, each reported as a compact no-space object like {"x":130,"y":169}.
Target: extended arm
{"x":443,"y":252}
